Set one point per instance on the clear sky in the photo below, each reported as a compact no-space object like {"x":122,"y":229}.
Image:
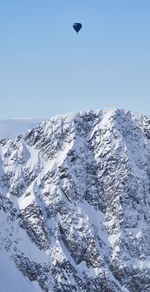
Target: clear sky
{"x":47,"y":69}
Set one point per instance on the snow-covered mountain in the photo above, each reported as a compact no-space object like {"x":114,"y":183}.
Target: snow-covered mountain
{"x":75,"y":204}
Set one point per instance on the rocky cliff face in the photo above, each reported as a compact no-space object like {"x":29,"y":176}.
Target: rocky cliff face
{"x":75,"y":202}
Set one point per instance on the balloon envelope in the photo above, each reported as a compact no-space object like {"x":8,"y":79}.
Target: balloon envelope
{"x":77,"y":26}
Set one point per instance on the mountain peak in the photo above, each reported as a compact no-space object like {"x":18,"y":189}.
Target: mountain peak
{"x":75,"y":202}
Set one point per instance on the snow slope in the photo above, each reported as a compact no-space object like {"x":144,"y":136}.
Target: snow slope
{"x":11,"y":279}
{"x":75,"y":203}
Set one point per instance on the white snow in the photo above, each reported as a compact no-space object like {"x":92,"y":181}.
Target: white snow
{"x":111,"y":230}
{"x":11,"y":280}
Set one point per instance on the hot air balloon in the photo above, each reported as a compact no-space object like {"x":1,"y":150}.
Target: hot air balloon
{"x":77,"y":26}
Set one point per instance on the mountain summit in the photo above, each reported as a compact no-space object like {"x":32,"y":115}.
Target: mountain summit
{"x":75,"y":204}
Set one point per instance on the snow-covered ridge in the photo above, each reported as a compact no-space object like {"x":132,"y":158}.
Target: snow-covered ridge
{"x":75,"y":202}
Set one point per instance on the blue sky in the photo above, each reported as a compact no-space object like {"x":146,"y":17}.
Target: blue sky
{"x":47,"y":69}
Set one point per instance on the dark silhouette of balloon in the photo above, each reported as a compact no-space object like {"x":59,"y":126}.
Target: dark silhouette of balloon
{"x":77,"y":26}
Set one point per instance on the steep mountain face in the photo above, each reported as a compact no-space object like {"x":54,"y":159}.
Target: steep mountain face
{"x":75,"y":203}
